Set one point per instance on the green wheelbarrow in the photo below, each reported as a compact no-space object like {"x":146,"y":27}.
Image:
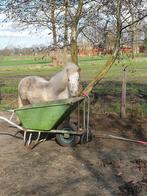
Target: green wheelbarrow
{"x":51,"y":118}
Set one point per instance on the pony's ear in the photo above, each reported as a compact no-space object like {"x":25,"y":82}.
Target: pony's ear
{"x":79,"y":69}
{"x":67,"y":70}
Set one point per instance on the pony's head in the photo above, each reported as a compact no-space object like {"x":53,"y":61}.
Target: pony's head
{"x":73,"y":74}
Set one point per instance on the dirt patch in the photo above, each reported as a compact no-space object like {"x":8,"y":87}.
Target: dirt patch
{"x":101,"y":167}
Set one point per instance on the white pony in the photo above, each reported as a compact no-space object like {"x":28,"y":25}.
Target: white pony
{"x":64,"y":84}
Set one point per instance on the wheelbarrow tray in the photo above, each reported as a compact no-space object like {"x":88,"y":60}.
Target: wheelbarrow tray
{"x":47,"y":116}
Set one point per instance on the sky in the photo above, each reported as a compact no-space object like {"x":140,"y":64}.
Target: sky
{"x":11,"y":35}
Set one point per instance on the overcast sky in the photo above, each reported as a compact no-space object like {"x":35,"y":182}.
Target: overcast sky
{"x":12,"y":36}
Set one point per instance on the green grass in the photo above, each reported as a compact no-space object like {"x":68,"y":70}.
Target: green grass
{"x":13,"y":68}
{"x":26,"y":65}
{"x":21,"y":60}
{"x":8,"y":89}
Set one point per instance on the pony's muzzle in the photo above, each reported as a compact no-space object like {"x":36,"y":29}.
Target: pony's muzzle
{"x":74,"y":93}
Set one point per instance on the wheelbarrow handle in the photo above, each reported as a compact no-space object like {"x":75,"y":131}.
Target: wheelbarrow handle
{"x":11,"y":123}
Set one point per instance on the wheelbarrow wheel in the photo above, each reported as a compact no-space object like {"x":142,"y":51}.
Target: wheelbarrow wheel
{"x":67,"y":139}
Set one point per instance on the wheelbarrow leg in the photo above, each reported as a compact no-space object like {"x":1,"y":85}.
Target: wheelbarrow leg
{"x":30,"y":139}
{"x":24,"y":137}
{"x":37,"y":140}
{"x":43,"y":140}
{"x":28,"y":142}
{"x":46,"y":137}
{"x":11,"y":115}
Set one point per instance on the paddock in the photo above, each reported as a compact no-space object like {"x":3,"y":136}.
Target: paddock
{"x":102,"y":166}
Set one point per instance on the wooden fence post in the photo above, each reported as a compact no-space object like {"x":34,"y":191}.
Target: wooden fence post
{"x":123,"y":94}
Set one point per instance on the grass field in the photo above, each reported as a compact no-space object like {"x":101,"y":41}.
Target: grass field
{"x":30,"y":65}
{"x":13,"y":68}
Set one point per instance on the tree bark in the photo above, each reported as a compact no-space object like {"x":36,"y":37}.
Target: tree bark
{"x":118,"y":25}
{"x":65,"y":23}
{"x":132,"y":30}
{"x":74,"y":46}
{"x":53,"y":22}
{"x":74,"y":33}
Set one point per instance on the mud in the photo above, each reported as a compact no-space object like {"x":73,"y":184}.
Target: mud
{"x":101,"y":167}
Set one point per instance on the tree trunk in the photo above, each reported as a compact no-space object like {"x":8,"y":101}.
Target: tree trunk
{"x":65,"y":23}
{"x":105,"y":35}
{"x":74,"y":46}
{"x":74,"y":33}
{"x":132,"y":28}
{"x":53,"y":22}
{"x":132,"y":42}
{"x":119,"y":25}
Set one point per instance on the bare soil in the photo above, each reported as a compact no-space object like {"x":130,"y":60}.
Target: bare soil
{"x":101,"y":167}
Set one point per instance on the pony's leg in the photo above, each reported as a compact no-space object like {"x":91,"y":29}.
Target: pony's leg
{"x":20,"y":103}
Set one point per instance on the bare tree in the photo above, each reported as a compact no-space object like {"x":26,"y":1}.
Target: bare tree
{"x":102,"y":24}
{"x":60,"y":17}
{"x":66,"y":3}
{"x":96,"y":31}
{"x":80,"y":13}
{"x":74,"y":17}
{"x":120,"y":20}
{"x":37,"y":13}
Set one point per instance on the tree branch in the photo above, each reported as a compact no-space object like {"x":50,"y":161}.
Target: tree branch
{"x":134,"y":22}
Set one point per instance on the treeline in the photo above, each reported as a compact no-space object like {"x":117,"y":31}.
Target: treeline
{"x":102,"y":22}
{"x":24,"y":51}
